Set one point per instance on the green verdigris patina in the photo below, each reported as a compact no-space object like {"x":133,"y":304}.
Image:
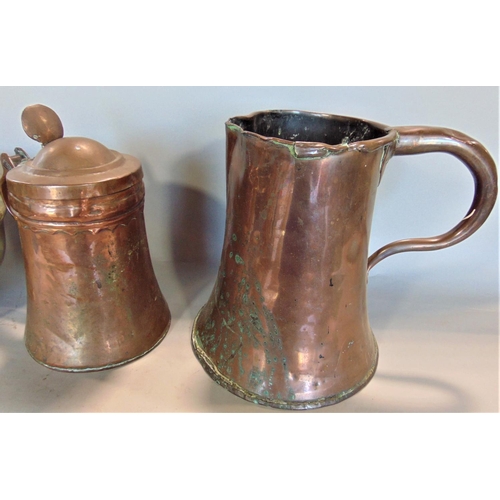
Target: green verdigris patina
{"x":238,"y":337}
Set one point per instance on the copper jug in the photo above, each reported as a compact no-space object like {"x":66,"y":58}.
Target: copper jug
{"x":286,"y":324}
{"x":93,"y":301}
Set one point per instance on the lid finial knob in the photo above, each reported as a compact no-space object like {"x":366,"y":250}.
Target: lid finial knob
{"x":42,"y":124}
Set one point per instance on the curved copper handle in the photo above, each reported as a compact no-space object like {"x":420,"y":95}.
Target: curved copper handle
{"x":417,"y":140}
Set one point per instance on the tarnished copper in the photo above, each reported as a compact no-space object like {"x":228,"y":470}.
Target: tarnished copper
{"x":93,"y":301}
{"x":286,"y":325}
{"x":7,"y":163}
{"x":2,"y":229}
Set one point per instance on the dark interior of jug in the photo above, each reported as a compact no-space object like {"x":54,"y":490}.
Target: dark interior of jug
{"x":309,"y":127}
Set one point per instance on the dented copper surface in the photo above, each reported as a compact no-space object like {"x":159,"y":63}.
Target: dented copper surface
{"x":93,"y":301}
{"x":286,"y":325}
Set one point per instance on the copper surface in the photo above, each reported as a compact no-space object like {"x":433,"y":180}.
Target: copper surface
{"x":2,"y":229}
{"x":7,"y":163}
{"x":93,"y":301}
{"x":286,"y":324}
{"x":41,"y":123}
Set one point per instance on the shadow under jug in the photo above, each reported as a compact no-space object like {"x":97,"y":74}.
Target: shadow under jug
{"x":286,"y":325}
{"x":93,"y":301}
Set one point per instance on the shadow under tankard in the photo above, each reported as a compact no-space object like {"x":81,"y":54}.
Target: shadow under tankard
{"x":417,"y":392}
{"x":196,"y":224}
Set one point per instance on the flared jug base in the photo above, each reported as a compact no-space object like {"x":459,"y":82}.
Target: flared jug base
{"x":103,"y":367}
{"x":239,"y":391}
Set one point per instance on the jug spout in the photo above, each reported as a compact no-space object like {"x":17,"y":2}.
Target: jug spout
{"x":287,"y":324}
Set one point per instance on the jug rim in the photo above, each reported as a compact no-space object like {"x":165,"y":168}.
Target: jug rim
{"x":378,"y":135}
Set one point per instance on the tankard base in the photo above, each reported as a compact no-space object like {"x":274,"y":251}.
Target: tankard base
{"x":234,"y":388}
{"x":109,"y":366}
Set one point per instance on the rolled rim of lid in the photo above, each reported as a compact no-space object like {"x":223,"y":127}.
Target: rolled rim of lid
{"x":74,"y":167}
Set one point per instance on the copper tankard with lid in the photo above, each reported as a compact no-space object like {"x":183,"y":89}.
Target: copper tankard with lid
{"x":286,"y":324}
{"x":93,"y":301}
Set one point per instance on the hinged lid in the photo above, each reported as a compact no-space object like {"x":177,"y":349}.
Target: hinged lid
{"x":68,"y":168}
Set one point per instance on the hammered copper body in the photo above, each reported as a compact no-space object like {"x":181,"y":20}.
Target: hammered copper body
{"x":93,"y":301}
{"x":286,"y":324}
